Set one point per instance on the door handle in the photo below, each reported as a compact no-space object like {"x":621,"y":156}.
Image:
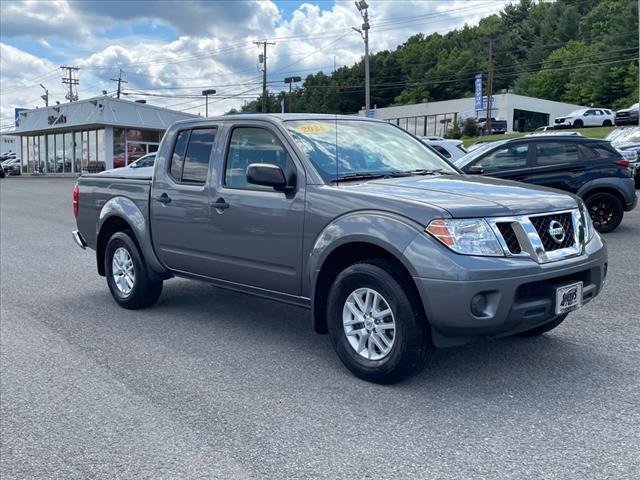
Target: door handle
{"x":220,"y":204}
{"x":164,"y":198}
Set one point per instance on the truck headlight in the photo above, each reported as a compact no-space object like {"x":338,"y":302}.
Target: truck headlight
{"x":587,"y":224}
{"x":468,"y":236}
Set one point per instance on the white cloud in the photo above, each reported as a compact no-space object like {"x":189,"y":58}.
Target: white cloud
{"x":214,"y":46}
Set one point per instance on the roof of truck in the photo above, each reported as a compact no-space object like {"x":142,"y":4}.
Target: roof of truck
{"x":276,"y":117}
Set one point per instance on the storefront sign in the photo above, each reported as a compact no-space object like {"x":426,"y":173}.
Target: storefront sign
{"x":478,"y":92}
{"x":53,"y":120}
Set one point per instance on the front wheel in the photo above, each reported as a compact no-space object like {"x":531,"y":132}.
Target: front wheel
{"x":578,"y":124}
{"x":376,"y":325}
{"x":128,"y":275}
{"x":606,"y":211}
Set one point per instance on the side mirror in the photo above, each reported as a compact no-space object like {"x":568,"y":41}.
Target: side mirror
{"x":268,"y":175}
{"x":475,"y":170}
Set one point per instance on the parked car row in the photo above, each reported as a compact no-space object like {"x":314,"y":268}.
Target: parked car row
{"x":590,"y":168}
{"x":10,"y":164}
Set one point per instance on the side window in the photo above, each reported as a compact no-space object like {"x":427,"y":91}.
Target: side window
{"x":505,"y":158}
{"x":251,"y":145}
{"x":177,"y":159}
{"x":196,"y":162}
{"x":554,"y":153}
{"x":190,"y":159}
{"x":590,"y":112}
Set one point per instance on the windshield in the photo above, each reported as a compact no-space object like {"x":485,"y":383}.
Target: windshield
{"x":475,"y":153}
{"x":576,"y":113}
{"x":363,"y":148}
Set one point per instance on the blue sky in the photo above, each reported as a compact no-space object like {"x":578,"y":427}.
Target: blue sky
{"x":171,"y":49}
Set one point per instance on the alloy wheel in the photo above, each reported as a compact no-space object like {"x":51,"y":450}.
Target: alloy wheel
{"x":122,"y":271}
{"x":369,"y":324}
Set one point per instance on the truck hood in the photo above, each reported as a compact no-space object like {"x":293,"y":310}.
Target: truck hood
{"x":471,"y":196}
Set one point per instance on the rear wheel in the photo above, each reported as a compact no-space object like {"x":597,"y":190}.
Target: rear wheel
{"x":376,"y":324}
{"x":606,"y":211}
{"x":606,"y":123}
{"x":578,"y":124}
{"x":544,"y":328}
{"x":128,"y":275}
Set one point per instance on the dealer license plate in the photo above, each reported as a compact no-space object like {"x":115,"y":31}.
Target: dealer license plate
{"x":568,"y":298}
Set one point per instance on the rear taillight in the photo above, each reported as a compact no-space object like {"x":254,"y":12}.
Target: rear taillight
{"x":76,"y":200}
{"x":622,"y":162}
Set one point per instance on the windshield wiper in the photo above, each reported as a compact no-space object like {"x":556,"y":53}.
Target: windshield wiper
{"x":424,"y":171}
{"x":368,"y":176}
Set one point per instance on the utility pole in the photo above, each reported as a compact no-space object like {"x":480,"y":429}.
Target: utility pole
{"x":489,"y":89}
{"x":263,"y":59}
{"x":120,"y":81}
{"x":72,"y":97}
{"x":45,"y":97}
{"x":291,"y":81}
{"x":362,"y":7}
{"x":206,"y":94}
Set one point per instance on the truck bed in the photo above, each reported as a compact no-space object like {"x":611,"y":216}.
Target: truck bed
{"x":98,"y":189}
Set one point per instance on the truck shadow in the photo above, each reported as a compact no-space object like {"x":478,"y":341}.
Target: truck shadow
{"x":543,"y":366}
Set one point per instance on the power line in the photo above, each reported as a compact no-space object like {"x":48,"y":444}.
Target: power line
{"x":120,"y":82}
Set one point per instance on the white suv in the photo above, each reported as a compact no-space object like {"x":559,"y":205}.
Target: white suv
{"x":587,"y":117}
{"x":449,"y":149}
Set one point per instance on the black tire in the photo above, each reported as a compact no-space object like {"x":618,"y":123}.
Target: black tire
{"x":544,"y":328}
{"x":578,"y":124}
{"x":606,"y":211}
{"x":145,"y":291}
{"x":411,"y":344}
{"x":606,"y":123}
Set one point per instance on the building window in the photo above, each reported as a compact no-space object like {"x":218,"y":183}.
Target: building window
{"x":51,"y":154}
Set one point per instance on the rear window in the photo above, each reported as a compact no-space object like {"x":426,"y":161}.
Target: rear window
{"x":441,"y":150}
{"x":190,"y":159}
{"x":600,"y":151}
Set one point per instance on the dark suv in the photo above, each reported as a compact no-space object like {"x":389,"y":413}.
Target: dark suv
{"x":590,"y":168}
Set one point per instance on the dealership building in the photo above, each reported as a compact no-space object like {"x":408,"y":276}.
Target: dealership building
{"x":523,"y":114}
{"x":91,"y":135}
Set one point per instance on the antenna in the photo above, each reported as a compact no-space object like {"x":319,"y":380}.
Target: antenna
{"x":336,"y":125}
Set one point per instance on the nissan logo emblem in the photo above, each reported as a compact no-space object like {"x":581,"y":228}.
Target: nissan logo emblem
{"x":556,"y":231}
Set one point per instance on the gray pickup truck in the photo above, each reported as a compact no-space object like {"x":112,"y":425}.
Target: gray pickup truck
{"x":393,"y":250}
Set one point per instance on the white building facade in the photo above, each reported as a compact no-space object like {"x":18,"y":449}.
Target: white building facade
{"x":91,"y":135}
{"x":523,"y":114}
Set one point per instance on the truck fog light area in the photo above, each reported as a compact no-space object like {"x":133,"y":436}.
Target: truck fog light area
{"x":484,"y":304}
{"x":478,"y":305}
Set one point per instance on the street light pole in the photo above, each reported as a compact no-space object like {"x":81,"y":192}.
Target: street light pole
{"x":206,"y":94}
{"x":362,"y":7}
{"x":291,"y":81}
{"x":45,"y":97}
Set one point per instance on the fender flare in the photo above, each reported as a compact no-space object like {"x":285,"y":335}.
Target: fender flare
{"x":600,"y":183}
{"x":126,"y":210}
{"x":392,"y":233}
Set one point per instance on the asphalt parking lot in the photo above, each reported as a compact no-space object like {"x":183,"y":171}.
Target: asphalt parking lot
{"x":212,"y":384}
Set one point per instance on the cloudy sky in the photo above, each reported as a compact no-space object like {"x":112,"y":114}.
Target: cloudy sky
{"x":173,"y":50}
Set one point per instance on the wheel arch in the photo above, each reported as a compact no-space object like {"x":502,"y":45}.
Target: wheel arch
{"x":352,"y":239}
{"x":122,"y":214}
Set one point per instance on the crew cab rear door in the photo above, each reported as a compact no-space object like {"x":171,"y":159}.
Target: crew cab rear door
{"x":256,"y":232}
{"x":179,"y":210}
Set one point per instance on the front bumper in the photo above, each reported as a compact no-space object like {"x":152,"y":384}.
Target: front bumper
{"x":517,"y":299}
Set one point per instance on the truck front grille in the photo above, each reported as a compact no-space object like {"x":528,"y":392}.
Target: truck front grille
{"x":543,"y":238}
{"x":551,"y":242}
{"x":506,"y":229}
